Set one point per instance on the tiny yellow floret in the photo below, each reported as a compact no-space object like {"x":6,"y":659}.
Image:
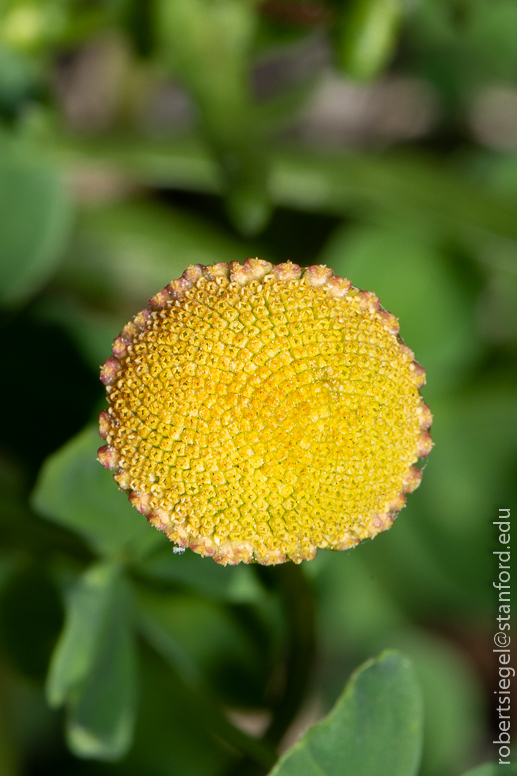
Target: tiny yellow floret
{"x":258,"y":412}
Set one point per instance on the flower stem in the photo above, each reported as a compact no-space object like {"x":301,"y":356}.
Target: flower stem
{"x":299,"y":612}
{"x":291,"y":584}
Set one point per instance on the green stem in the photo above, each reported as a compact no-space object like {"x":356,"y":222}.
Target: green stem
{"x":299,"y":611}
{"x":300,"y":648}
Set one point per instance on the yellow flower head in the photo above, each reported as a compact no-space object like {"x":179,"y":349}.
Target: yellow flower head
{"x":259,"y":412}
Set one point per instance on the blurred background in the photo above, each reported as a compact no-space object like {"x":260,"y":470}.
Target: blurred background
{"x":137,"y":137}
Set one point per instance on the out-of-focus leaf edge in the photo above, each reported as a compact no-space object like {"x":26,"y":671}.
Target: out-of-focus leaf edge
{"x":353,"y":704}
{"x":335,"y":183}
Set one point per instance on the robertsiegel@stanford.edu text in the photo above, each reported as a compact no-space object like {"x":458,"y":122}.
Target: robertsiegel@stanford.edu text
{"x":502,"y":639}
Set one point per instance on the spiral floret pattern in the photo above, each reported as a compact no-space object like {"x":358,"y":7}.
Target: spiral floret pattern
{"x":259,"y":412}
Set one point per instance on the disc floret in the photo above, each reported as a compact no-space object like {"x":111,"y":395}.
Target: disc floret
{"x":259,"y":412}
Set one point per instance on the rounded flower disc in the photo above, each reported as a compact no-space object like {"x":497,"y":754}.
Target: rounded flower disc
{"x":260,"y":412}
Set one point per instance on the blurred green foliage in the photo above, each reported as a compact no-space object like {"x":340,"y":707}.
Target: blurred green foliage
{"x":375,"y":726}
{"x":368,"y":36}
{"x":376,"y":136}
{"x":35,"y":215}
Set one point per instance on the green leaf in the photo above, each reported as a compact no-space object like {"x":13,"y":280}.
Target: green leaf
{"x":35,"y":214}
{"x":88,"y":605}
{"x":368,"y":36}
{"x":359,"y":612}
{"x":93,"y":669}
{"x":75,"y":491}
{"x":452,"y":698}
{"x":375,"y":728}
{"x":102,"y":714}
